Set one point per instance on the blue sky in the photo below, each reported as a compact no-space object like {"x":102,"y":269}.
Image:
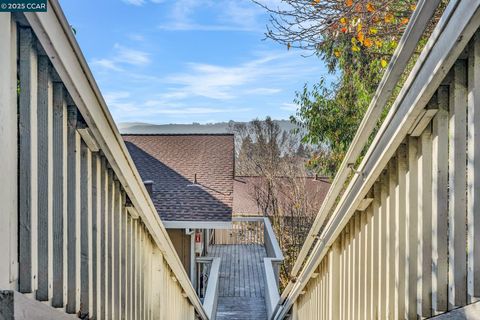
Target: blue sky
{"x":184,"y":61}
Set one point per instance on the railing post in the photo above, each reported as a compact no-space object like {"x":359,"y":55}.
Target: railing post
{"x":8,"y":145}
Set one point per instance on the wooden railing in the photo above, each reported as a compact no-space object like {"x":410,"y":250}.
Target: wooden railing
{"x":78,"y":229}
{"x":403,"y":239}
{"x":244,"y":231}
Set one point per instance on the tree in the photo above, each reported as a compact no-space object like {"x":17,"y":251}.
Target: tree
{"x":355,"y":38}
{"x":277,"y":159}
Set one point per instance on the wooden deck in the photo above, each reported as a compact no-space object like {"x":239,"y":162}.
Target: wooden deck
{"x":241,"y":287}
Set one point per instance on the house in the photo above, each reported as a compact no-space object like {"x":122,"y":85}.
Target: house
{"x":190,"y":179}
{"x":249,"y":191}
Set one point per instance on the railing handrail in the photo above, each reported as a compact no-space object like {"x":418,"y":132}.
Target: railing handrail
{"x":56,"y":37}
{"x":403,"y":53}
{"x":440,"y":52}
{"x":211,"y":294}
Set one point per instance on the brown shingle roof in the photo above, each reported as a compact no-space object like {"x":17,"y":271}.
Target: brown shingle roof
{"x":173,"y":161}
{"x":246,"y":188}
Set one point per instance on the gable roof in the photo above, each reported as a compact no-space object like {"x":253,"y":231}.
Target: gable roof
{"x":173,"y":162}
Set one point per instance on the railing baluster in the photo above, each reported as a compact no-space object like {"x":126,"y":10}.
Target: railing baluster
{"x":376,"y":249}
{"x":457,"y":181}
{"x":473,"y":177}
{"x":424,"y":239}
{"x":9,"y":147}
{"x":383,"y":247}
{"x":391,"y":235}
{"x":400,"y":241}
{"x":97,"y":274}
{"x":45,"y":235}
{"x":123,"y":258}
{"x":440,"y":203}
{"x":28,"y":209}
{"x":109,"y":247}
{"x":411,"y":229}
{"x":59,"y":196}
{"x":104,"y":187}
{"x":116,"y":251}
{"x":73,"y":212}
{"x":86,"y":230}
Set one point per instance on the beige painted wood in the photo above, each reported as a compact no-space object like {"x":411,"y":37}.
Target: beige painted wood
{"x":103,"y":238}
{"x":400,"y":239}
{"x":440,"y":203}
{"x":391,"y":236}
{"x":86,"y":286}
{"x":350,"y":289}
{"x":8,"y":143}
{"x":383,"y":292}
{"x":369,"y":277}
{"x":343,"y":277}
{"x":59,"y":204}
{"x":376,"y":273}
{"x":424,"y":248}
{"x":73,"y":213}
{"x":473,"y":176}
{"x":28,"y":194}
{"x":123,"y":259}
{"x":97,"y":274}
{"x":108,"y":243}
{"x":45,"y":175}
{"x":411,"y":231}
{"x":457,"y":278}
{"x":363,"y":295}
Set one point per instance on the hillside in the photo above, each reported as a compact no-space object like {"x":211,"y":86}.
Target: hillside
{"x":220,"y":127}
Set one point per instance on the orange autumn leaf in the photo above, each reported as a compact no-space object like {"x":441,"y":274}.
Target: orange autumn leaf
{"x":404,"y":21}
{"x":368,"y":42}
{"x":360,"y":36}
{"x":413,"y":7}
{"x":344,"y":30}
{"x":370,"y":7}
{"x":349,"y":3}
{"x":337,"y":53}
{"x":389,"y":18}
{"x":358,"y":8}
{"x":343,"y":20}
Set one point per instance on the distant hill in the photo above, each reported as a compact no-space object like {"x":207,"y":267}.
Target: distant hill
{"x":220,"y":127}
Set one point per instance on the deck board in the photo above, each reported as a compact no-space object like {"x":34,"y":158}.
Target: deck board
{"x":241,"y":286}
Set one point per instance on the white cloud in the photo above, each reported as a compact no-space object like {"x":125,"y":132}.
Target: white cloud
{"x":226,"y":15}
{"x":106,"y":64}
{"x":131,"y":56}
{"x":229,"y":82}
{"x":289,"y":107}
{"x":141,"y":2}
{"x":135,"y":2}
{"x":136,"y":37}
{"x":183,"y":26}
{"x":122,"y":56}
{"x":263,"y":91}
